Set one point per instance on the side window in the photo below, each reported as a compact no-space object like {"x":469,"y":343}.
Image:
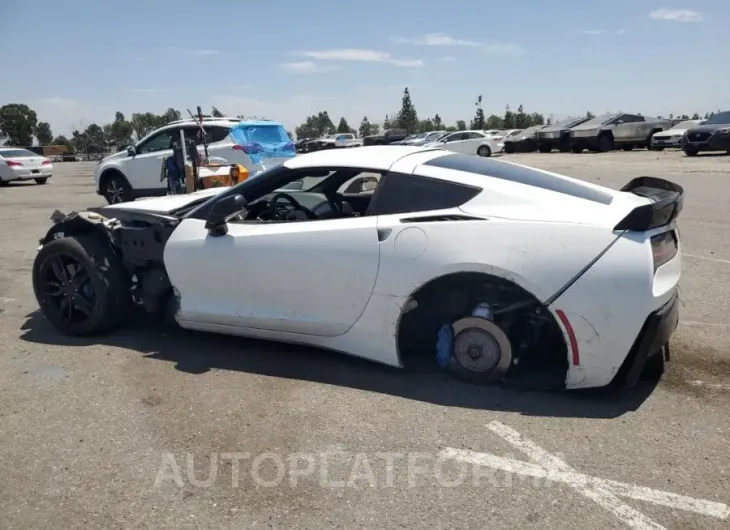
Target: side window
{"x":455,"y":137}
{"x":474,"y":136}
{"x":631,"y":118}
{"x":193,"y":133}
{"x":402,"y":193}
{"x":217,"y":133}
{"x":160,"y":142}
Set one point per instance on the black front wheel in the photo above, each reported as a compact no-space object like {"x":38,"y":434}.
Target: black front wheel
{"x":484,"y":150}
{"x":41,"y":181}
{"x":80,"y":285}
{"x":116,"y":189}
{"x":690,"y":151}
{"x":605,"y":143}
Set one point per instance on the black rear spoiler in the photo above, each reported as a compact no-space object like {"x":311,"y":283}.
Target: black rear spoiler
{"x":667,"y":201}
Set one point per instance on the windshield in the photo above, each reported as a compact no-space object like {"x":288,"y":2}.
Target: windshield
{"x":435,"y":136}
{"x":307,"y":183}
{"x":16,"y":153}
{"x":720,"y":117}
{"x":600,"y":120}
{"x":514,"y":133}
{"x":687,"y":124}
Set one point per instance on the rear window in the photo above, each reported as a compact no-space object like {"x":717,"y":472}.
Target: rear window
{"x":265,"y":134}
{"x":16,"y":153}
{"x":519,"y":174}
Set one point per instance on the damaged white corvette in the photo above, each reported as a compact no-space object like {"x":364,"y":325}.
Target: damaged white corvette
{"x":490,"y":270}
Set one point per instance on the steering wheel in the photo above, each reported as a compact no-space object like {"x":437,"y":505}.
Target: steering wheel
{"x":291,"y":200}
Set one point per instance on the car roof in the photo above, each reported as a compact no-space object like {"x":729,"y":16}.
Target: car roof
{"x":378,"y":157}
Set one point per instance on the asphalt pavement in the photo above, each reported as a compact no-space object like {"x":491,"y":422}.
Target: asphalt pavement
{"x":149,"y":429}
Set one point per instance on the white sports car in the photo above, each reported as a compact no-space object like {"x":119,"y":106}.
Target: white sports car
{"x":488,"y":269}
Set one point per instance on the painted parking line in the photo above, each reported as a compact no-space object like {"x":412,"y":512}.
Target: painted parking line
{"x":707,"y":258}
{"x":604,"y":492}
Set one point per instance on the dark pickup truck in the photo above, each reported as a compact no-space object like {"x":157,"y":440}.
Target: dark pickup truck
{"x":713,"y":135}
{"x":387,"y":137}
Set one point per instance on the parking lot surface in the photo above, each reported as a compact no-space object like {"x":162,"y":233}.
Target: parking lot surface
{"x":146,"y":429}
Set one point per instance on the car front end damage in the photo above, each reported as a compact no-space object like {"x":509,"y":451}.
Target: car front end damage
{"x":135,"y":240}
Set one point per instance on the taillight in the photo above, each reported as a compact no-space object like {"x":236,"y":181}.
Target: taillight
{"x":13,"y":163}
{"x":663,"y":248}
{"x":46,"y":162}
{"x":250,"y":148}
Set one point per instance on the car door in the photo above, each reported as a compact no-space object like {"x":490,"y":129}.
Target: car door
{"x":630,"y":127}
{"x":143,"y":169}
{"x":452,"y":142}
{"x":468,"y":144}
{"x":307,"y":277}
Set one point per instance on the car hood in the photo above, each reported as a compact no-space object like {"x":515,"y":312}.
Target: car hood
{"x":166,"y":204}
{"x":708,"y":127}
{"x":671,"y":132}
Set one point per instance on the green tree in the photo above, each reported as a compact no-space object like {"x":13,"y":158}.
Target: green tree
{"x":120,"y":131}
{"x":535,"y":119}
{"x":478,"y":122}
{"x":216,"y":113}
{"x":438,"y":123}
{"x":460,"y":125}
{"x":590,"y":115}
{"x":695,"y":116}
{"x":374,"y":129}
{"x":43,"y":133}
{"x":521,"y":118}
{"x":170,"y":115}
{"x":365,"y":127}
{"x":315,"y":126}
{"x":386,"y":123}
{"x":407,"y":117}
{"x":508,"y":122}
{"x":18,"y":123}
{"x":95,"y":135}
{"x":493,"y":122}
{"x":343,"y":127}
{"x":452,"y":128}
{"x":62,"y":140}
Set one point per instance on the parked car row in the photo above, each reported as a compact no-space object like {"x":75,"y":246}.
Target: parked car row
{"x":623,"y":131}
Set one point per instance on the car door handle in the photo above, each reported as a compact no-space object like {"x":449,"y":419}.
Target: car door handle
{"x":384,"y":233}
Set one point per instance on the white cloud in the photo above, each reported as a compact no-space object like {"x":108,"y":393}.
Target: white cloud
{"x":447,"y":59}
{"x":441,"y":39}
{"x":676,"y":15}
{"x":145,"y":90}
{"x":188,"y":51}
{"x":361,"y":55}
{"x":437,"y":39}
{"x":620,"y":32}
{"x":307,"y":67}
{"x":593,"y":31}
{"x":503,"y":49}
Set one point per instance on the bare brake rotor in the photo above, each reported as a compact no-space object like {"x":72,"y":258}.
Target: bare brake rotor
{"x":481,"y":347}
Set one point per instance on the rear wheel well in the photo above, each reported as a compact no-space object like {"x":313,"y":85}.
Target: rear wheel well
{"x":538,"y":346}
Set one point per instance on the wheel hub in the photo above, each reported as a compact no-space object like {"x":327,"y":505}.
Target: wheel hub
{"x":480,"y":346}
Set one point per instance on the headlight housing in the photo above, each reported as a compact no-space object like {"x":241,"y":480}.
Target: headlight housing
{"x":724,"y":130}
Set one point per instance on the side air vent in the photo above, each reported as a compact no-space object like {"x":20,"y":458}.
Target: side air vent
{"x":440,"y":218}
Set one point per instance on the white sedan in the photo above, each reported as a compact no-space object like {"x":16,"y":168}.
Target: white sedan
{"x":471,"y":143}
{"x":21,"y":164}
{"x":673,"y":137}
{"x":487,"y":269}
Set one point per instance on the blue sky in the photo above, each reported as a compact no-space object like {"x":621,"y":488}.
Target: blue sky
{"x":77,"y":62}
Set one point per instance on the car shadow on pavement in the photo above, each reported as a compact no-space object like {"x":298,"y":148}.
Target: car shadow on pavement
{"x":198,"y":353}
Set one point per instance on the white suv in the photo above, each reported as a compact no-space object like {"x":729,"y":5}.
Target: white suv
{"x":135,"y":172}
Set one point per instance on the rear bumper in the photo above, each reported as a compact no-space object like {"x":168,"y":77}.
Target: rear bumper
{"x":653,"y":337}
{"x":26,"y":174}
